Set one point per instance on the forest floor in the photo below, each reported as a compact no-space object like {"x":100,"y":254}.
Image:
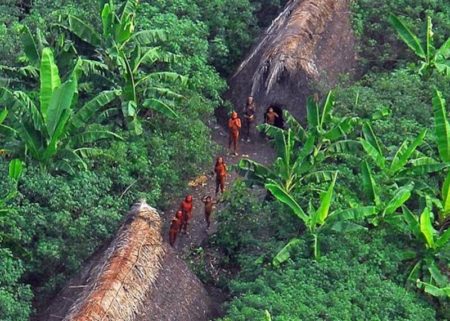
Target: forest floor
{"x":191,"y":247}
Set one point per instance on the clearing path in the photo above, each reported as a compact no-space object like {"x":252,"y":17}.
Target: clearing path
{"x":258,"y":149}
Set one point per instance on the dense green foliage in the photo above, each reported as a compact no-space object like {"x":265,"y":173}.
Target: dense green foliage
{"x":379,"y":46}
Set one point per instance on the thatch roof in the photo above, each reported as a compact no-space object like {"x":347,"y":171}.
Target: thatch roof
{"x":310,"y":43}
{"x":137,"y":277}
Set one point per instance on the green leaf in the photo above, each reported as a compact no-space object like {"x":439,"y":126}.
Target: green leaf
{"x":285,"y":253}
{"x":434,"y":290}
{"x":356,"y":214}
{"x":404,"y":152}
{"x":129,"y":8}
{"x":161,"y":107}
{"x":15,"y":169}
{"x":150,"y":37}
{"x":83,"y":31}
{"x":436,"y":274}
{"x":50,"y":80}
{"x":61,"y":102}
{"x":282,"y":196}
{"x":267,"y":316}
{"x":442,"y":128}
{"x":426,"y":228}
{"x":443,"y":239}
{"x":347,"y":227}
{"x":257,"y":169}
{"x":327,"y":106}
{"x":371,"y":138}
{"x":325,"y":203}
{"x":401,"y":195}
{"x":29,"y":46}
{"x":368,"y":184}
{"x":408,"y":37}
{"x":425,"y":165}
{"x":107,"y":19}
{"x":91,"y":136}
{"x":445,"y":192}
{"x":58,"y":133}
{"x":3,"y":115}
{"x":412,"y":221}
{"x":444,"y":51}
{"x":92,"y":107}
{"x":429,"y":42}
{"x":374,"y":154}
{"x":312,"y":113}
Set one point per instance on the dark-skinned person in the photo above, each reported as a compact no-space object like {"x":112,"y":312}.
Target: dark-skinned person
{"x":249,"y":118}
{"x":175,"y":227}
{"x":209,"y":206}
{"x":234,"y":127}
{"x":186,"y":208}
{"x":221,"y":173}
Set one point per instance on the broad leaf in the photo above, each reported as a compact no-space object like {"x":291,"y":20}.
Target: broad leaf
{"x":408,"y":37}
{"x":150,"y":37}
{"x":61,"y":102}
{"x":285,"y":253}
{"x":426,"y":227}
{"x":442,"y":128}
{"x":401,"y":195}
{"x":282,"y":196}
{"x":374,"y":154}
{"x":327,"y":106}
{"x":370,"y":137}
{"x":368,"y":183}
{"x":446,"y":195}
{"x":84,"y":31}
{"x":312,"y":113}
{"x":434,"y":290}
{"x":92,"y":107}
{"x":325,"y":203}
{"x":443,"y":239}
{"x":404,"y":152}
{"x":29,"y":46}
{"x":50,"y":80}
{"x":161,"y":107}
{"x":15,"y":169}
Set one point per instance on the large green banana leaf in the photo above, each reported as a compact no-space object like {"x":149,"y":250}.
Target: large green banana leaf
{"x":442,"y":128}
{"x":49,"y":80}
{"x":408,"y":37}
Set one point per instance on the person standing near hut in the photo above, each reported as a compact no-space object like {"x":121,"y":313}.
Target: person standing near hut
{"x":175,"y":227}
{"x":186,"y":209}
{"x":271,"y":116}
{"x":234,"y":126}
{"x":249,"y":118}
{"x":221,"y":172}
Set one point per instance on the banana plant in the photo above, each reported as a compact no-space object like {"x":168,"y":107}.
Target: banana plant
{"x":432,"y":58}
{"x":53,"y":127}
{"x":14,"y":173}
{"x":432,"y":244}
{"x":319,"y":220}
{"x":126,"y":56}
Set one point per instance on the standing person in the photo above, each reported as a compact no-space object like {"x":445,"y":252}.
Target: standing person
{"x":234,"y":126}
{"x":221,"y":172}
{"x":175,"y":227}
{"x":249,"y":117}
{"x":271,"y":116}
{"x":186,"y":208}
{"x":209,"y":204}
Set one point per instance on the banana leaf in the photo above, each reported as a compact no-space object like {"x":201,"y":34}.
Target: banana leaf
{"x":369,"y":184}
{"x":49,"y":80}
{"x":408,"y":37}
{"x":285,"y":253}
{"x":401,"y":195}
{"x":404,"y":152}
{"x":282,"y":196}
{"x":426,"y":228}
{"x":442,"y":128}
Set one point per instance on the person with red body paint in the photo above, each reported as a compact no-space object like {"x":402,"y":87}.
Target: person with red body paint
{"x":209,"y":204}
{"x":234,"y":125}
{"x":221,"y":172}
{"x":186,"y":208}
{"x":175,"y":227}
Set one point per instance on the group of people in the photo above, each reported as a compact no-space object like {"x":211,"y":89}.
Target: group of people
{"x":184,"y":214}
{"x":235,"y":125}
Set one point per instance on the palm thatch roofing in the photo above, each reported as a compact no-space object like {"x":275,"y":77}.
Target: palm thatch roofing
{"x":137,"y":277}
{"x":304,"y":50}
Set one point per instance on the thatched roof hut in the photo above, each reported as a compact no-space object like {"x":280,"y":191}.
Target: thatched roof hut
{"x":304,"y":51}
{"x":137,"y":277}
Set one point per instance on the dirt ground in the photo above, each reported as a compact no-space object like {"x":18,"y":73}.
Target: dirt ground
{"x":187,"y":245}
